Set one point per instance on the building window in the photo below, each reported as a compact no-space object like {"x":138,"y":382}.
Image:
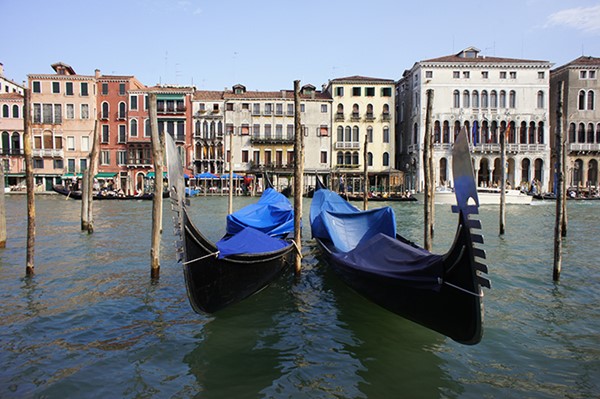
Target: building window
{"x":386,"y":159}
{"x":55,"y":87}
{"x":485,"y":74}
{"x":429,"y":74}
{"x":513,"y":75}
{"x":105,"y":110}
{"x":70,"y":111}
{"x":324,"y":108}
{"x":386,"y":135}
{"x":302,"y":108}
{"x":502,"y":99}
{"x":133,"y":128}
{"x":339,"y":91}
{"x":70,"y":165}
{"x":69,"y":88}
{"x":582,"y":74}
{"x":386,"y":91}
{"x":85,"y":111}
{"x":323,"y":131}
{"x":456,"y":99}
{"x":37,"y":87}
{"x":323,"y":156}
{"x":105,"y":134}
{"x":581,"y":100}
{"x":15,"y":111}
{"x":541,"y":75}
{"x":484,"y":99}
{"x":245,"y":129}
{"x":105,"y":157}
{"x":502,"y":75}
{"x":5,"y":111}
{"x":122,"y":110}
{"x":356,"y":91}
{"x":147,"y":130}
{"x":268,"y":109}
{"x":279,"y":109}
{"x":38,"y":163}
{"x":290,"y":109}
{"x":70,"y":143}
{"x":133,"y":102}
{"x":256,"y":109}
{"x":229,"y":107}
{"x":475,"y":97}
{"x":121,"y":157}
{"x":466,"y":74}
{"x":592,"y":74}
{"x":370,"y":91}
{"x":58,"y":164}
{"x":256,"y":130}
{"x":466,"y":99}
{"x":122,"y":133}
{"x":540,"y":99}
{"x":493,"y":99}
{"x":290,"y":132}
{"x":121,"y":89}
{"x":84,"y":89}
{"x":512,"y":99}
{"x":245,"y":156}
{"x":456,"y":74}
{"x":590,"y":100}
{"x":370,"y":159}
{"x":82,"y":165}
{"x":104,"y":89}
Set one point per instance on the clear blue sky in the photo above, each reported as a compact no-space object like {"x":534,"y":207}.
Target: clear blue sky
{"x":266,"y":45}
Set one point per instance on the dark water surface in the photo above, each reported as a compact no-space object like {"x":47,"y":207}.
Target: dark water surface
{"x":91,"y":324}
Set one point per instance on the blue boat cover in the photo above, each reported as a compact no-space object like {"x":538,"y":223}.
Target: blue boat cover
{"x":249,"y":241}
{"x":366,"y":241}
{"x":335,"y":219}
{"x":273,"y":214}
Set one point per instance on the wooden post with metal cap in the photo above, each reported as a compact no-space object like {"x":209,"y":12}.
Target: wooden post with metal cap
{"x":298,"y":173}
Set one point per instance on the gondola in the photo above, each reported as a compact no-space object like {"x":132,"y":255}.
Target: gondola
{"x":76,"y":194}
{"x":440,"y":292}
{"x":256,"y":248}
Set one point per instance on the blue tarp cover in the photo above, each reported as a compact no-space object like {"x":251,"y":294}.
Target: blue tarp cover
{"x":366,"y":241}
{"x":249,"y":241}
{"x":273,"y":214}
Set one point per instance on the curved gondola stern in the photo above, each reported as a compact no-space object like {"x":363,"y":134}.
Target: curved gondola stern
{"x":176,"y":193}
{"x":319,"y":184}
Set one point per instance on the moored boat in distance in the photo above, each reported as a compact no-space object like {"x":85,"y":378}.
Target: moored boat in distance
{"x":487,"y":196}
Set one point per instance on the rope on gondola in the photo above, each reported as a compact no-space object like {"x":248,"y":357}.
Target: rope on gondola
{"x":215,"y":254}
{"x":461,"y":289}
{"x":297,"y":249}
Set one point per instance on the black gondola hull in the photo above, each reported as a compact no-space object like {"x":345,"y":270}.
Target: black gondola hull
{"x":213,"y":284}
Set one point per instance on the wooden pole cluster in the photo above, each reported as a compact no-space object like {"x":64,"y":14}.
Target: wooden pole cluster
{"x":230,"y":205}
{"x":157,"y":200}
{"x":366,"y":175}
{"x":87,"y":214}
{"x":428,"y":171}
{"x":560,"y":192}
{"x":503,"y":180}
{"x":28,"y":152}
{"x":2,"y":210}
{"x":298,"y":173}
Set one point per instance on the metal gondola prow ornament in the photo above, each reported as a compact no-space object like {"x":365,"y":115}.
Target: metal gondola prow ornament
{"x":462,"y":169}
{"x":176,"y":191}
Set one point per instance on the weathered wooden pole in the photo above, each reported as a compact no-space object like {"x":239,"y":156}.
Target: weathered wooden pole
{"x":560,"y":193}
{"x":366,"y":175}
{"x":230,"y":202}
{"x":2,"y":209}
{"x":298,"y":173}
{"x":563,"y":193}
{"x":503,"y":179}
{"x":28,"y":152}
{"x":428,"y":171}
{"x":87,"y":198}
{"x":157,"y":200}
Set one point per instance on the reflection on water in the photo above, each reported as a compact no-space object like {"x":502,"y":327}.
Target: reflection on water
{"x":90,"y":323}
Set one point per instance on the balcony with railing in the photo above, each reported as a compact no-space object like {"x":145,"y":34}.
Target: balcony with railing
{"x":11,"y":151}
{"x":386,"y":117}
{"x":369,"y":117}
{"x":48,"y":153}
{"x":278,"y":139}
{"x":347,"y":145}
{"x":578,"y":147}
{"x":355,"y":117}
{"x":339,"y":117}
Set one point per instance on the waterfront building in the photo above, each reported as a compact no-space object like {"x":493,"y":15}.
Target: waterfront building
{"x":122,"y":124}
{"x":63,"y":115}
{"x":581,"y":119}
{"x":259,"y":125}
{"x":485,"y":95}
{"x":363,"y":109}
{"x":11,"y":128}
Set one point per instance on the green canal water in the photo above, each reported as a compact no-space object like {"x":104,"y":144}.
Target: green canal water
{"x":91,"y":324}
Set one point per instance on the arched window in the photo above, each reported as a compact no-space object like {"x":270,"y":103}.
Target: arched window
{"x":590,"y":100}
{"x":386,"y":134}
{"x":598,"y":133}
{"x":340,"y":109}
{"x":484,"y":99}
{"x":5,"y":110}
{"x":340,"y":133}
{"x":540,"y":133}
{"x":494,"y":99}
{"x":502,"y":99}
{"x":5,"y":143}
{"x":386,"y":159}
{"x":15,"y":143}
{"x":523,"y":133}
{"x":355,"y":158}
{"x":348,"y":158}
{"x":456,"y":99}
{"x":437,"y":132}
{"x":122,"y":110}
{"x":512,"y":99}
{"x":370,"y":134}
{"x":572,"y":137}
{"x":466,"y":100}
{"x":415,"y":134}
{"x":532,"y":133}
{"x":475,"y":96}
{"x":15,"y":111}
{"x":133,"y":125}
{"x":370,"y":159}
{"x":355,"y":134}
{"x":105,"y":110}
{"x":340,"y":158}
{"x":590,"y":133}
{"x":581,"y":133}
{"x":348,"y":136}
{"x":147,"y":132}
{"x":370,"y":110}
{"x":540,"y":99}
{"x":581,"y":100}
{"x":386,"y":109}
{"x":355,"y":111}
{"x":446,"y":132}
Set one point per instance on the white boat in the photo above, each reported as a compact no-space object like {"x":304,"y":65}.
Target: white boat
{"x":487,"y":196}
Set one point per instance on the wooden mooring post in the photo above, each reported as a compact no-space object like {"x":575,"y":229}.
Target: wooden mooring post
{"x":366,"y":174}
{"x":429,"y":215}
{"x":503,"y":178}
{"x":28,"y":152}
{"x":560,"y":193}
{"x":87,"y":197}
{"x":2,"y":210}
{"x":298,"y":173}
{"x":157,"y":200}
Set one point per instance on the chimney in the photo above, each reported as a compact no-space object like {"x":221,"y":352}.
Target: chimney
{"x":97,"y":73}
{"x":1,"y":69}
